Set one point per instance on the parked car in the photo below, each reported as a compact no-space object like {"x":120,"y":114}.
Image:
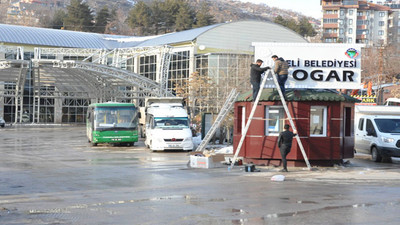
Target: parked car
{"x":392,"y":102}
{"x":2,"y":122}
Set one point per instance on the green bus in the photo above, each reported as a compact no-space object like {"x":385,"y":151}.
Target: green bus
{"x":112,"y":122}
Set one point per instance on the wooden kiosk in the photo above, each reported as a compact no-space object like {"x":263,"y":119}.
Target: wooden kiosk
{"x":323,"y":118}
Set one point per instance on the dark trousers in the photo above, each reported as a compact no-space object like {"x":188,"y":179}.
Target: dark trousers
{"x":281,"y":81}
{"x":256,"y":88}
{"x":284,"y":149}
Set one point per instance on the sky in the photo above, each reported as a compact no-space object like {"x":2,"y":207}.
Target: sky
{"x":307,"y":7}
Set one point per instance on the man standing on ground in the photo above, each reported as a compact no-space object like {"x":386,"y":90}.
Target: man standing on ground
{"x":285,"y":144}
{"x":281,"y":70}
{"x":255,"y":76}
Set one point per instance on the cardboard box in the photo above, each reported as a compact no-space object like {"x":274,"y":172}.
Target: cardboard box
{"x":198,"y":161}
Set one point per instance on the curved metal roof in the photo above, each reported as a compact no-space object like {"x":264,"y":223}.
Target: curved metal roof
{"x":53,"y":37}
{"x":74,"y":39}
{"x":239,"y":34}
{"x":178,"y":37}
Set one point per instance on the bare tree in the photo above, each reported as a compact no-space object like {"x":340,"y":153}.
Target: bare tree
{"x":207,"y":91}
{"x":196,"y":91}
{"x":117,"y":25}
{"x":380,"y":65}
{"x":3,"y":11}
{"x":396,"y":91}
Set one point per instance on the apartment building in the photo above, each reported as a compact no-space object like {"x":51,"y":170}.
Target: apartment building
{"x":352,"y":21}
{"x":394,"y":27}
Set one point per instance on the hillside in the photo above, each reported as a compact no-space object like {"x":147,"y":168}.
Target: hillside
{"x":31,"y":13}
{"x":223,"y":10}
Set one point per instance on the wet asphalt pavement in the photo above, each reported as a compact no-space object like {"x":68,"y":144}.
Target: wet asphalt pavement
{"x":53,"y":176}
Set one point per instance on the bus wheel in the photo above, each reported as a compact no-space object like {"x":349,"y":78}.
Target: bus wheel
{"x":130,"y":144}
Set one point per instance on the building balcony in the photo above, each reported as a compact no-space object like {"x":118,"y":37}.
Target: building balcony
{"x":361,"y":36}
{"x":361,"y":17}
{"x":341,"y":3}
{"x":361,"y":27}
{"x":330,"y":35}
{"x":331,"y":2}
{"x":331,"y":7}
{"x":331,"y":16}
{"x":330,"y":25}
{"x":350,"y":2}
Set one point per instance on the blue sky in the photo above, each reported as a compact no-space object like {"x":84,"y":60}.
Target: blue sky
{"x":306,"y":7}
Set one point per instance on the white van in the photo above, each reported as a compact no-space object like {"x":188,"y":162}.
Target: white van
{"x":377,"y":131}
{"x":168,"y":127}
{"x":392,"y":102}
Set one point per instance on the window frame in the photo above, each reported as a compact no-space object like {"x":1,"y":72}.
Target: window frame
{"x":243,"y":122}
{"x":324,"y":121}
{"x":360,"y":124}
{"x":267,"y":119}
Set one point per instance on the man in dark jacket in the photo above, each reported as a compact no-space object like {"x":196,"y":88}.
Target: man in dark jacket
{"x":255,"y":76}
{"x":285,"y":144}
{"x":281,"y":69}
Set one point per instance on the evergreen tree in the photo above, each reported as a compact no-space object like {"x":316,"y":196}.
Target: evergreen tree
{"x":305,"y":28}
{"x":171,"y":10}
{"x":102,"y":19}
{"x":280,"y":20}
{"x":184,"y":19}
{"x":157,"y":17}
{"x":79,"y":17}
{"x":292,"y":24}
{"x":203,"y":16}
{"x":139,"y":18}
{"x":58,"y":19}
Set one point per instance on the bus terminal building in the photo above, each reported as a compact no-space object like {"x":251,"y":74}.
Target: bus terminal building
{"x":51,"y":76}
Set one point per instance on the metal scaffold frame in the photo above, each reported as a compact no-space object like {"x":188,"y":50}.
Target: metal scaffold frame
{"x":71,"y":73}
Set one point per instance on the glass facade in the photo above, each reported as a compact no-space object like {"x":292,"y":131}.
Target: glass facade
{"x":225,"y":71}
{"x":148,"y":67}
{"x":178,"y":70}
{"x":74,"y":110}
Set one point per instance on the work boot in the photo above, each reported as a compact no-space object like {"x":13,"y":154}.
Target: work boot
{"x":283,"y":170}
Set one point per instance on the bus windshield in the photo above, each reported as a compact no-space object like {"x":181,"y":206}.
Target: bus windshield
{"x":116,"y":117}
{"x":171,"y":122}
{"x":388,"y":125}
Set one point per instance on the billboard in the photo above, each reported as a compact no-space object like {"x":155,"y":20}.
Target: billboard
{"x":315,"y":65}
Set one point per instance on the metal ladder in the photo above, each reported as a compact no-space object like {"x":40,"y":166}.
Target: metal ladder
{"x":19,"y":93}
{"x":36,"y":93}
{"x":221,"y":116}
{"x":270,"y":72}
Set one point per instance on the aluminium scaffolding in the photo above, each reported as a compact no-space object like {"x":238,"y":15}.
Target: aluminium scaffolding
{"x":52,"y":67}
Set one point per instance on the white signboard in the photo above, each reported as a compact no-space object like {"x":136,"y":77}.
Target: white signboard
{"x":315,"y":65}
